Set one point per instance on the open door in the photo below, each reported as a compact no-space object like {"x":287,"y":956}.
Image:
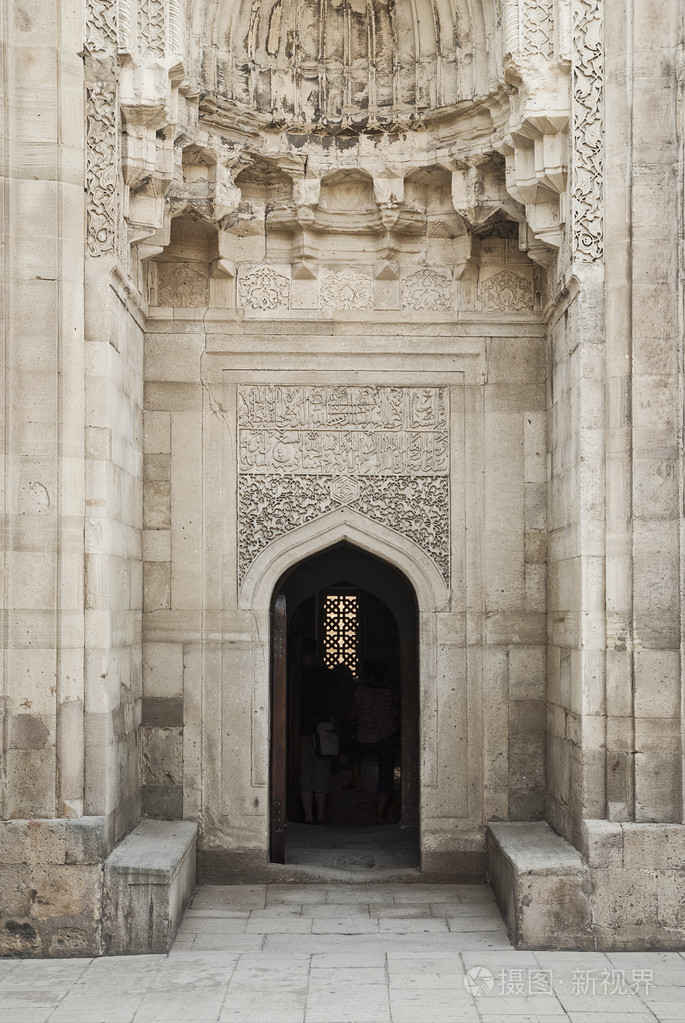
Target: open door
{"x":279,"y":772}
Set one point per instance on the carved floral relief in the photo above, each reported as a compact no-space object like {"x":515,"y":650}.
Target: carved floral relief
{"x":346,"y":289}
{"x":588,"y":130}
{"x":102,"y":163}
{"x":506,"y":292}
{"x":427,"y":290}
{"x":305,"y":450}
{"x":264,"y":288}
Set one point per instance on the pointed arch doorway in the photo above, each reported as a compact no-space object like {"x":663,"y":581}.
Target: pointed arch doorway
{"x":362,"y":612}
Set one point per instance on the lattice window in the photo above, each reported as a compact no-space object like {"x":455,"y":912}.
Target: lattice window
{"x":341,"y":629}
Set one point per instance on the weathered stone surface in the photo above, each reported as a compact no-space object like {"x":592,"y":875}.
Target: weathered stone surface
{"x":148,"y":881}
{"x":409,"y":292}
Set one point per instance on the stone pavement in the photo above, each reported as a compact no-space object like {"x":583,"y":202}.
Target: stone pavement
{"x":372,"y":953}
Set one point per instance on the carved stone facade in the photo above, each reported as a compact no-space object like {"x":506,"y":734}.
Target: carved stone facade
{"x":396,"y":279}
{"x":389,"y":444}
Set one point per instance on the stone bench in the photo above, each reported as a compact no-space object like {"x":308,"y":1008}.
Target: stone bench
{"x":149,"y":880}
{"x":541,"y":884}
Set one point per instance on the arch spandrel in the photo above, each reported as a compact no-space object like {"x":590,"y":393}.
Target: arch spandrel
{"x":340,"y":526}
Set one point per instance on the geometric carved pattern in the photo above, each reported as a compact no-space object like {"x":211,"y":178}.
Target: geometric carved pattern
{"x":427,"y":291}
{"x":341,"y":629}
{"x":181,"y":285}
{"x":537,"y":27}
{"x":305,"y":450}
{"x":506,"y":292}
{"x":264,"y":288}
{"x":346,"y":289}
{"x":588,"y":130}
{"x":151,"y":18}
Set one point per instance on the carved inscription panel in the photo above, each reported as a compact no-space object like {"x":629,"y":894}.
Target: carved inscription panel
{"x":305,"y":450}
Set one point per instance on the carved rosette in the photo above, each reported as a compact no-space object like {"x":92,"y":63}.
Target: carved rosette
{"x":263,"y":288}
{"x":305,"y":450}
{"x":427,"y":291}
{"x":346,"y":289}
{"x":102,"y":163}
{"x":588,"y":130}
{"x":506,"y":292}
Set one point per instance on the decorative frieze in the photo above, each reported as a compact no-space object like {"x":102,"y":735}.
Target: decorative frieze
{"x":537,"y":27}
{"x":151,"y":23}
{"x":427,"y":291}
{"x":506,"y":292}
{"x":346,"y":289}
{"x":588,"y":130}
{"x":102,"y":163}
{"x":305,"y":450}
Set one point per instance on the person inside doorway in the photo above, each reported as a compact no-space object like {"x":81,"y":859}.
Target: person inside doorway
{"x":315,"y":699}
{"x":375,"y":711}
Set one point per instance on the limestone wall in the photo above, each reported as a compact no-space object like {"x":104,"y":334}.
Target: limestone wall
{"x":207,"y":640}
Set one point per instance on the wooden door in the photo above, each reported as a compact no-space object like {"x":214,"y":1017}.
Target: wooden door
{"x":278,"y":770}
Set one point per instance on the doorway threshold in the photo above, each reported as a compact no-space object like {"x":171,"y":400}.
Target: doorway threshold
{"x":351,"y":852}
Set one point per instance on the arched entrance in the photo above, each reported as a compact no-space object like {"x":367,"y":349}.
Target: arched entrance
{"x":362,"y":613}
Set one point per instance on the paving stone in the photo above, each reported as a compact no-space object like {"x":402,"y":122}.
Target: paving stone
{"x":280,"y":925}
{"x":186,"y":1006}
{"x":413,"y":925}
{"x":337,"y":909}
{"x":352,"y":924}
{"x":422,"y":1007}
{"x":214,"y":925}
{"x":390,"y":975}
{"x":403,"y":912}
{"x":95,"y":1007}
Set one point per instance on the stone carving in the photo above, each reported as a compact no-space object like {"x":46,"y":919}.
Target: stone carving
{"x":151,"y":19}
{"x":346,"y":289}
{"x":416,"y":507}
{"x":177,"y":16}
{"x":588,"y":130}
{"x":125,"y":25}
{"x":264,"y":288}
{"x":101,"y":184}
{"x":427,"y":290}
{"x":344,"y":490}
{"x":101,"y":126}
{"x":271,"y":506}
{"x":506,"y":292}
{"x":283,"y":406}
{"x":537,"y":27}
{"x":101,"y":28}
{"x":304,"y":450}
{"x":181,"y":285}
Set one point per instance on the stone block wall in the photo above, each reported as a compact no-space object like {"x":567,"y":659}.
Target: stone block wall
{"x":637,"y":878}
{"x":51,"y":886}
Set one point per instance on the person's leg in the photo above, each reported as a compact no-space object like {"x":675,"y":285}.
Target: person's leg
{"x":321,"y":784}
{"x":386,"y":751}
{"x":382,"y":804}
{"x":306,"y":786}
{"x":307,"y":797}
